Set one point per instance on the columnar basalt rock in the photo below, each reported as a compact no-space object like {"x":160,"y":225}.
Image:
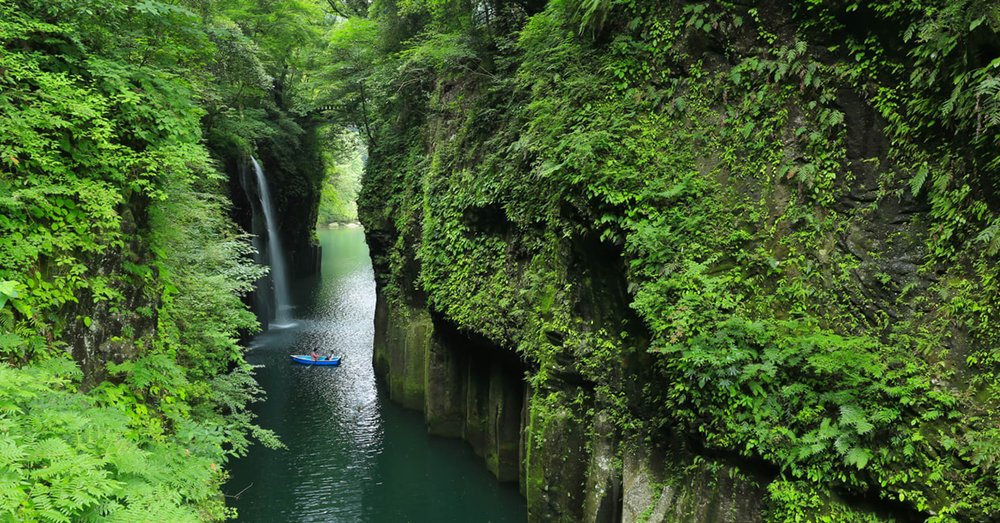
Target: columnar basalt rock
{"x":700,"y":224}
{"x":660,"y":489}
{"x":444,"y":398}
{"x":463,"y":390}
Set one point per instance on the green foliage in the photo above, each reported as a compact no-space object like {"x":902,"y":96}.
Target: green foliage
{"x":67,"y":458}
{"x":116,"y":246}
{"x":739,"y":166}
{"x":940,"y":83}
{"x":78,"y":157}
{"x":798,"y":502}
{"x":202,"y":261}
{"x":340,"y":190}
{"x":18,"y":341}
{"x":590,"y":14}
{"x":796,"y":396}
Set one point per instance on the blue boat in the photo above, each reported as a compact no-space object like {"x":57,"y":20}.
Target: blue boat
{"x":306,"y":359}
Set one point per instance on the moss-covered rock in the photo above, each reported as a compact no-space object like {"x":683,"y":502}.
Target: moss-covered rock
{"x":744,"y":232}
{"x":464,"y":390}
{"x":555,"y":460}
{"x":664,"y":486}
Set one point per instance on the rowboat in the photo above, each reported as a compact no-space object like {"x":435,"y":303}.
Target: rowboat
{"x":306,"y":359}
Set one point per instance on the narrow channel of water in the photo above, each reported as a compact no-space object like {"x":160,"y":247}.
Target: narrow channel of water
{"x":352,"y":454}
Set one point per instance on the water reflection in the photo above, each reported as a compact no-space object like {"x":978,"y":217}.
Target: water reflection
{"x":352,"y":455}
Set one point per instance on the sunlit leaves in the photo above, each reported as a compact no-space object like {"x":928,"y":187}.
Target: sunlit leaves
{"x":108,"y":194}
{"x":66,"y":458}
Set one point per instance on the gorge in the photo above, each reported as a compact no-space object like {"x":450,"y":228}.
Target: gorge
{"x":636,"y":260}
{"x":710,"y":238}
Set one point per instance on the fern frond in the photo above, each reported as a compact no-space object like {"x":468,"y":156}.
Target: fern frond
{"x":10,"y":452}
{"x":990,"y":236}
{"x":6,"y":320}
{"x":918,"y":180}
{"x":854,"y":416}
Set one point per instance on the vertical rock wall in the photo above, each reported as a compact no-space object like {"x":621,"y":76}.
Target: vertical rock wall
{"x":297,"y":222}
{"x":722,"y":238}
{"x":570,"y":463}
{"x":465,"y":388}
{"x":115,"y":331}
{"x":666,"y":487}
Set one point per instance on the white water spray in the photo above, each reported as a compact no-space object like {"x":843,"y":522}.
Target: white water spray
{"x":279,"y":274}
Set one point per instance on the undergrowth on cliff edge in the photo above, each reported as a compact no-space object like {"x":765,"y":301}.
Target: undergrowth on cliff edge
{"x":804,"y":199}
{"x":123,"y":388}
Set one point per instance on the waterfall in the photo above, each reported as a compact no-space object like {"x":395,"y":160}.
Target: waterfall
{"x":279,"y":274}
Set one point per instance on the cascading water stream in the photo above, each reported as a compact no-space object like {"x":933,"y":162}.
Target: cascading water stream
{"x":279,"y":274}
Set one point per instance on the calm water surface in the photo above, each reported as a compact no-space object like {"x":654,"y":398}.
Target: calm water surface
{"x":352,"y":455}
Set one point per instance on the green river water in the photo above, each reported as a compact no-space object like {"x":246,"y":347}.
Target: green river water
{"x":352,"y":454}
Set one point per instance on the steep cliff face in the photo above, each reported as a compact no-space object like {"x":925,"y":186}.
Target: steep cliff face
{"x":294,"y":165}
{"x":294,"y":168}
{"x":124,"y":386}
{"x":116,"y":331}
{"x":294,"y":191}
{"x":465,"y":388}
{"x":745,"y":256}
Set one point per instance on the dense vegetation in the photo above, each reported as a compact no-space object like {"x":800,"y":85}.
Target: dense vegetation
{"x":767,"y":235}
{"x":339,"y":194}
{"x":123,"y":388}
{"x":798,"y":203}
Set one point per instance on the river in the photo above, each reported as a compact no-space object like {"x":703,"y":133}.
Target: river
{"x":352,"y":454}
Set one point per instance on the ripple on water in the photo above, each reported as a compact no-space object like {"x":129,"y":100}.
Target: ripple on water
{"x":351,"y":455}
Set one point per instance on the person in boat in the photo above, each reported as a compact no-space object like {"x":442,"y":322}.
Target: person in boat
{"x":329,"y":357}
{"x":315,"y":356}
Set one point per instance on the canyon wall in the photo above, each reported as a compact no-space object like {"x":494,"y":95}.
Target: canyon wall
{"x":740,"y":262}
